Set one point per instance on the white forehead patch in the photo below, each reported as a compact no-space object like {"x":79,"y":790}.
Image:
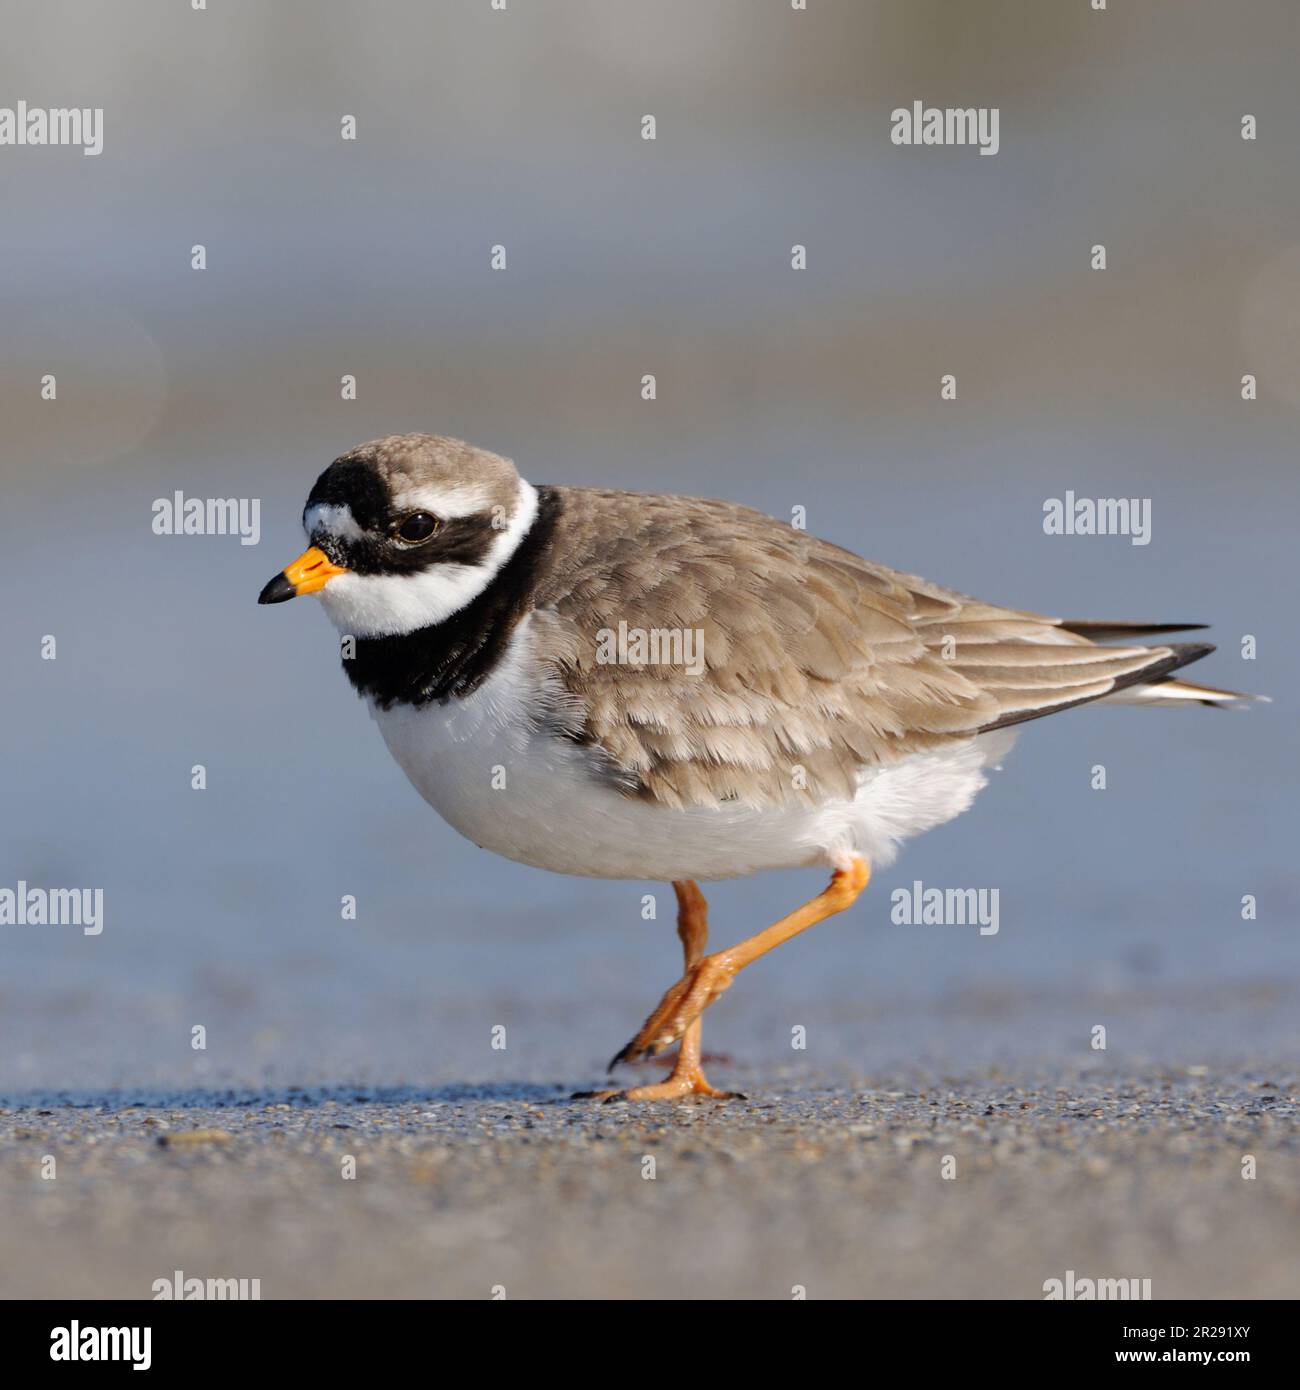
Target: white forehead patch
{"x":336,"y":520}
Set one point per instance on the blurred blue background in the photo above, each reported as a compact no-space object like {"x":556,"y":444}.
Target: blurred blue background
{"x":775,"y":388}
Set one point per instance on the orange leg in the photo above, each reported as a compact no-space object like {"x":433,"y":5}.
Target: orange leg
{"x":680,"y":1009}
{"x":687,"y":1076}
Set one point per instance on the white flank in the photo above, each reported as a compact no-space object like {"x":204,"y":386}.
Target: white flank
{"x":555,"y":812}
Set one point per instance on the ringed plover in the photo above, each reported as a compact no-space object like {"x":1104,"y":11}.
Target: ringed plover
{"x":677,"y":688}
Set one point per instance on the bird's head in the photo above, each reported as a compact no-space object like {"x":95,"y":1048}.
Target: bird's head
{"x":404,"y":531}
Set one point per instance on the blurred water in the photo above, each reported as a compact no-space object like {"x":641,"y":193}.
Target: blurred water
{"x":1119,"y":907}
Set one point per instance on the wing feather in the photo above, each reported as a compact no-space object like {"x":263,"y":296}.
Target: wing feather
{"x":815,"y":663}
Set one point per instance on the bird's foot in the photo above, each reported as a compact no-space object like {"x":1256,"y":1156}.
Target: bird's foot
{"x":687,"y":1080}
{"x":680,"y":1007}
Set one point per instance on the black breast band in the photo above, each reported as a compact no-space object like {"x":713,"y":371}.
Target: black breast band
{"x":452,"y":658}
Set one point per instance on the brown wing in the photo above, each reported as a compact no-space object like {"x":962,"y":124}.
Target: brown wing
{"x":816,"y":663}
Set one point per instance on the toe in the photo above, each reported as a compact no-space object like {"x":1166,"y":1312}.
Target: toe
{"x":678,"y":1009}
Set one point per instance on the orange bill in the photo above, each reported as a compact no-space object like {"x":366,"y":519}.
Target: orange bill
{"x":311,"y":571}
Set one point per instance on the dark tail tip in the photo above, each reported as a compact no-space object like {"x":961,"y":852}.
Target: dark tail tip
{"x":1184,"y":653}
{"x":1099,"y":630}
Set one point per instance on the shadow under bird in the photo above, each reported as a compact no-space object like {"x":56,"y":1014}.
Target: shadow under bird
{"x":678,"y":688}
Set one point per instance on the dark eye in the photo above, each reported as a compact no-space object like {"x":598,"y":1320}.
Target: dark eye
{"x":417,"y":527}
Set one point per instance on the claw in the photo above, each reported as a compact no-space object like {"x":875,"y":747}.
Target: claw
{"x":684,"y":1084}
{"x":676,"y":1017}
{"x":681,"y":1005}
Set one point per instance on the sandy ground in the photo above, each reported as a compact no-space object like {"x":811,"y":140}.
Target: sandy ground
{"x":836,"y":1190}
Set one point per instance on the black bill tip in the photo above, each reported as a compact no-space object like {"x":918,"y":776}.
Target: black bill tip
{"x":278,"y":590}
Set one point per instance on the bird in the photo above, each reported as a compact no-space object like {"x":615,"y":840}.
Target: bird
{"x":630,"y":685}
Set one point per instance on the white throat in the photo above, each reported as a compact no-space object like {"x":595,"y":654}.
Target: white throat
{"x":386,"y":605}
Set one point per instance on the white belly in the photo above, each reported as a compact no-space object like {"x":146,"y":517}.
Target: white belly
{"x":531,"y":797}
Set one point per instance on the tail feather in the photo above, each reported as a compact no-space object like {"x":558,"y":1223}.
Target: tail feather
{"x":1061,"y":663}
{"x":1170,"y":691}
{"x":1164,"y":661}
{"x":1154,"y":687}
{"x":1099,"y":630}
